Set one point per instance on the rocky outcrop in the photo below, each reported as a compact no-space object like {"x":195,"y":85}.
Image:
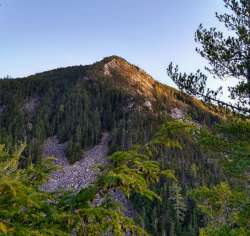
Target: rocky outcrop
{"x":177,"y":113}
{"x":127,"y":207}
{"x":108,"y":67}
{"x":137,"y":79}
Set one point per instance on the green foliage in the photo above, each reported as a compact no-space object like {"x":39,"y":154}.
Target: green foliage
{"x":132,"y":172}
{"x":152,"y":175}
{"x":227,"y":210}
{"x":224,"y":230}
{"x":226,"y":205}
{"x":25,"y":210}
{"x":178,"y":202}
{"x":199,"y":157}
{"x":8,"y":166}
{"x":227,"y":55}
{"x":98,"y":220}
{"x":168,"y":216}
{"x":230,"y":142}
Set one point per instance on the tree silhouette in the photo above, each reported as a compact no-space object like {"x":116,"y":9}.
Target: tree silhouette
{"x":228,"y":58}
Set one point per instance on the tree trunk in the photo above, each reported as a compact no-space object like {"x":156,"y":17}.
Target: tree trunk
{"x":248,"y":79}
{"x":248,"y":58}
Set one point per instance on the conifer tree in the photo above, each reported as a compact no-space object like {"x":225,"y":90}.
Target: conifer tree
{"x":228,"y":56}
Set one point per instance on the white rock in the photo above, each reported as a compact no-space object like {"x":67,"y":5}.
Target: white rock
{"x":177,"y":113}
{"x":148,"y":104}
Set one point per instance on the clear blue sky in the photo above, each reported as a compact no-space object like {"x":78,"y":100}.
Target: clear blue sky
{"x":37,"y":35}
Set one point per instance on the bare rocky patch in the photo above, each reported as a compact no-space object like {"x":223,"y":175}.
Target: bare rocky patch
{"x":142,"y":83}
{"x":108,"y":67}
{"x":52,"y":148}
{"x":177,"y":113}
{"x":127,"y":207}
{"x":82,"y":173}
{"x":148,"y":105}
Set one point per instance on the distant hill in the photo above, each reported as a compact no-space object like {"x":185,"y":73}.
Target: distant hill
{"x":77,"y":104}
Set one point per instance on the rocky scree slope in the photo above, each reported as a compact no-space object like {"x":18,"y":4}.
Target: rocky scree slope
{"x":82,"y":173}
{"x":78,"y":175}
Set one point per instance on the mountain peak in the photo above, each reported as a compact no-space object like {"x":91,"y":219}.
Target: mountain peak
{"x":120,"y":62}
{"x":127,"y":74}
{"x":113,"y":57}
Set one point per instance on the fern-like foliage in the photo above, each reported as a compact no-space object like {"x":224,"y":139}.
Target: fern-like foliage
{"x":229,"y":143}
{"x":226,"y":205}
{"x":25,"y":210}
{"x":228,"y":210}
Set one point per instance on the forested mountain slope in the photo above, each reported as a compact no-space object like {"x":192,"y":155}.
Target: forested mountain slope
{"x":141,"y":158}
{"x":76,"y":104}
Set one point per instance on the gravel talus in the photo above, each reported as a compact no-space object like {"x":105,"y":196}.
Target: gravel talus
{"x":81,"y":173}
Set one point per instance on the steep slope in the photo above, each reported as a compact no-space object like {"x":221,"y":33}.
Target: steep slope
{"x":77,"y":104}
{"x":81,"y":114}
